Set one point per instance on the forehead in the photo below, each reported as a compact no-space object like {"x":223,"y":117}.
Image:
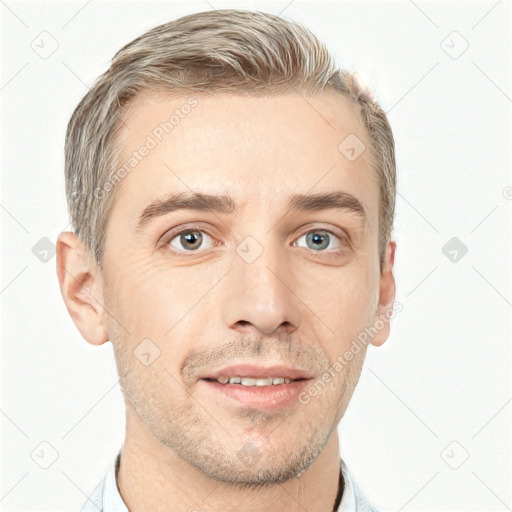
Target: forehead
{"x":259,"y":150}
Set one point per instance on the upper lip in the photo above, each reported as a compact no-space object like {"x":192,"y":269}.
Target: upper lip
{"x":251,"y":370}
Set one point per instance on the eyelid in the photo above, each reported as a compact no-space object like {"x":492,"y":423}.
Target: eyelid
{"x":330,"y":229}
{"x":182,"y":228}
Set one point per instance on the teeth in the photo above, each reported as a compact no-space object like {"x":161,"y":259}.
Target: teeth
{"x":248,"y":381}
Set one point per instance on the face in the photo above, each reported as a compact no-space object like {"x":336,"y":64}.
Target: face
{"x":256,"y":278}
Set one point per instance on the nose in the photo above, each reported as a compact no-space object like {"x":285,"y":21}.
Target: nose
{"x":260,"y":295}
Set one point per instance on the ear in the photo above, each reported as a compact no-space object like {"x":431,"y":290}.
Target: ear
{"x":81,"y":286}
{"x":387,"y":290}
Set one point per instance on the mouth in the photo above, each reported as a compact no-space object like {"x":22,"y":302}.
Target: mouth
{"x":257,"y":386}
{"x":253,"y":381}
{"x":250,"y":374}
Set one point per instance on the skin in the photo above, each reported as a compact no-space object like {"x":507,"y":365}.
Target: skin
{"x":294,"y":304}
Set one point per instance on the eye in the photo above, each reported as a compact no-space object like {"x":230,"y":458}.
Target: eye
{"x":189,"y":240}
{"x":320,"y":239}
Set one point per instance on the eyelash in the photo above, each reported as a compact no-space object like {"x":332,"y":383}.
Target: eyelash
{"x":344,"y":242}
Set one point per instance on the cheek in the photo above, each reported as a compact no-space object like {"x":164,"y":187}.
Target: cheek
{"x":342,"y":300}
{"x":342,"y":295}
{"x":158,"y":302}
{"x":144,"y":295}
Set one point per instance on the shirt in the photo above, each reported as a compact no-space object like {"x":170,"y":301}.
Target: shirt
{"x":106,"y":497}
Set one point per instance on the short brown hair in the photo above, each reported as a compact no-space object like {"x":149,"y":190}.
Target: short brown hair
{"x":225,"y":50}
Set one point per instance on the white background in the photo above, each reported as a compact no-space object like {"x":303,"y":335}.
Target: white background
{"x":444,"y":373}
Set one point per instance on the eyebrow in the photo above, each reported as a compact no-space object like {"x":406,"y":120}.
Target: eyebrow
{"x":226,"y":204}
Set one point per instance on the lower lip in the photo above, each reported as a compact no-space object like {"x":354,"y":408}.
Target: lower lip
{"x":264,"y":397}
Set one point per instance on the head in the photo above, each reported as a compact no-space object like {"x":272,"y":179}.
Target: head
{"x":219,"y":219}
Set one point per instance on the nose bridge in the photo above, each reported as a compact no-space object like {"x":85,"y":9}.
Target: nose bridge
{"x":260,"y":291}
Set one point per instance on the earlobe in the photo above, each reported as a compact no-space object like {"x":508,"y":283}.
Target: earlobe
{"x":387,"y":291}
{"x":81,"y":286}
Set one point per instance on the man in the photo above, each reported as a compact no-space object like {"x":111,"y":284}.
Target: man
{"x":232,"y":194}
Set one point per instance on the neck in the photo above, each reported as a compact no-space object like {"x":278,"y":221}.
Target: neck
{"x":152,"y":477}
